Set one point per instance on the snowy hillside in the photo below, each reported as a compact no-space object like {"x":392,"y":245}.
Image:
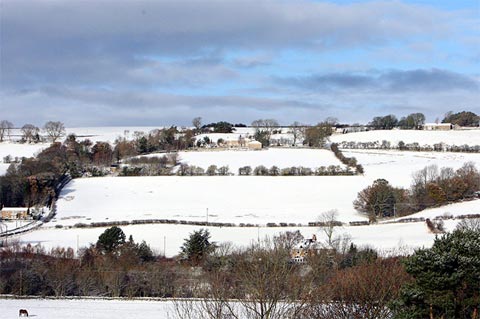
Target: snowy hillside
{"x":247,"y":199}
{"x":167,"y":239}
{"x":468,"y":137}
{"x":237,"y":199}
{"x":398,"y":166}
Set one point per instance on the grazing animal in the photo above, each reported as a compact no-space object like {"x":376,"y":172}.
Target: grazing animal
{"x":23,"y":313}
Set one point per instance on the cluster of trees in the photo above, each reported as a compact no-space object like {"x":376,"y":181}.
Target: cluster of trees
{"x":150,"y":166}
{"x":349,"y":161}
{"x":317,"y":136}
{"x":430,"y":187}
{"x":463,"y":118}
{"x":295,"y":171}
{"x":53,"y":130}
{"x":218,"y":127}
{"x":165,"y":139}
{"x":212,"y":170}
{"x":412,"y":121}
{"x":34,"y":181}
{"x":343,"y":281}
{"x":264,"y":128}
{"x":310,"y":135}
{"x":417,"y":120}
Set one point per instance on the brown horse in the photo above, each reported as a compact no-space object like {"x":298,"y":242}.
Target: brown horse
{"x":23,"y":313}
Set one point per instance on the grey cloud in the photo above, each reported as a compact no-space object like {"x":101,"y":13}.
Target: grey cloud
{"x":392,"y":81}
{"x":249,"y":62}
{"x":86,"y":41}
{"x":105,"y":107}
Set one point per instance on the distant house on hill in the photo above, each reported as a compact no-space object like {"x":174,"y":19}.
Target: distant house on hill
{"x":306,"y":248}
{"x":13,"y":213}
{"x":438,"y":126}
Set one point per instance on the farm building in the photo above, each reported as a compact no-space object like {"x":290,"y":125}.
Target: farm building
{"x":15,"y":213}
{"x":254,"y":145}
{"x":306,"y":248}
{"x":437,"y":127}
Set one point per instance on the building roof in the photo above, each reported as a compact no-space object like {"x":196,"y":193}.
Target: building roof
{"x":437,"y":124}
{"x":14,"y":209}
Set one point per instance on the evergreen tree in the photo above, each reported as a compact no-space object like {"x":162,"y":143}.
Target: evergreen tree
{"x":197,"y":245}
{"x":111,"y":239}
{"x":447,"y":279}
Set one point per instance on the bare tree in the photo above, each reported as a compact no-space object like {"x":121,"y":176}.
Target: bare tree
{"x":5,"y":128}
{"x":297,"y":131}
{"x":328,"y":222}
{"x":197,"y":123}
{"x":271,"y":124}
{"x":54,"y":130}
{"x":469,"y":224}
{"x":363,"y":291}
{"x":29,"y":132}
{"x":267,"y":124}
{"x":270,"y":287}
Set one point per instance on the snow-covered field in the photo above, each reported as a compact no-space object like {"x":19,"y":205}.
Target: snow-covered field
{"x":87,"y":309}
{"x":241,"y":199}
{"x":282,"y":158}
{"x":398,"y":166}
{"x":468,"y":137}
{"x":167,"y":239}
{"x":108,"y":134}
{"x":17,"y":150}
{"x":237,"y":199}
{"x":249,"y":199}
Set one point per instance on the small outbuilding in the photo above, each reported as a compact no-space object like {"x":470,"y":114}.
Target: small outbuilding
{"x":15,"y":213}
{"x":254,"y":145}
{"x":438,"y":126}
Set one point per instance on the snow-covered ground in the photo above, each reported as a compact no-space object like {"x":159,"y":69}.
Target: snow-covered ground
{"x":468,"y":137}
{"x":87,"y":309}
{"x":167,"y":239}
{"x":248,"y":199}
{"x":237,"y":199}
{"x":241,"y":199}
{"x":108,"y":134}
{"x":398,"y":166}
{"x":244,"y":199}
{"x":282,"y":158}
{"x":17,"y":150}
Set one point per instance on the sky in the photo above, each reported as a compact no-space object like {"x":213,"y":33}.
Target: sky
{"x":133,"y":63}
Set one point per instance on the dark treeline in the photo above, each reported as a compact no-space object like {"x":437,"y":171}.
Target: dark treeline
{"x":339,"y":281}
{"x":349,"y":161}
{"x":416,"y":147}
{"x":417,"y":120}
